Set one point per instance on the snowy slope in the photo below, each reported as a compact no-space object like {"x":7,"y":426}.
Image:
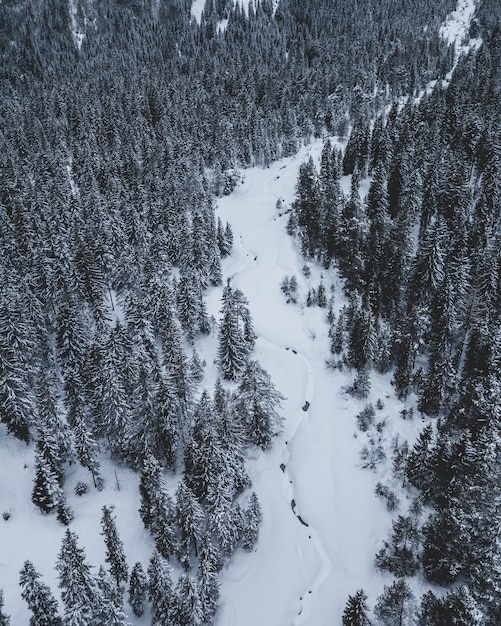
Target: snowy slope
{"x":300,"y":574}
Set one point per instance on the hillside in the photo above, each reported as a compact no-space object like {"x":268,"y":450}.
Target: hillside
{"x":249,"y":315}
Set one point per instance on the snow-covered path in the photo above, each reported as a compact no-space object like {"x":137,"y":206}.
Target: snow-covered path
{"x":322,"y":523}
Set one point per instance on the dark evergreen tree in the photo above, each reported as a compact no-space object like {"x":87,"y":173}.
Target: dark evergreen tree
{"x":253,"y":518}
{"x":307,"y":208}
{"x":356,"y":611}
{"x":258,"y":400}
{"x":456,"y":608}
{"x":236,"y":336}
{"x":110,"y":612}
{"x":39,"y":597}
{"x":4,"y":619}
{"x":156,"y":508}
{"x":80,"y":593}
{"x":86,"y":448}
{"x":210,"y":564}
{"x":160,"y":590}
{"x":138,"y":587}
{"x":114,"y":548}
{"x":394,"y":607}
{"x":400,"y":555}
{"x":190,"y":519}
{"x":187,"y":607}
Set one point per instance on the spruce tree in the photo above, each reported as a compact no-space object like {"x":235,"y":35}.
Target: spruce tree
{"x":114,"y":548}
{"x":187,"y":607}
{"x":160,"y":590}
{"x":4,"y":619}
{"x":80,"y":593}
{"x":259,"y":401}
{"x":39,"y":598}
{"x":252,"y":520}
{"x":395,"y":606}
{"x":138,"y":587}
{"x":356,"y":610}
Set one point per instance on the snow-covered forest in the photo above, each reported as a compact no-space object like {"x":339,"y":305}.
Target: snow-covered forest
{"x":250,"y":332}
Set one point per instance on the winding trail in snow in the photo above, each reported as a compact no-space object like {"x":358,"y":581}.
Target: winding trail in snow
{"x":251,"y":253}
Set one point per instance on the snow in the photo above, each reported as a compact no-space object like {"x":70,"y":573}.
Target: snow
{"x":300,"y":574}
{"x":456,"y":27}
{"x":198,"y":6}
{"x":78,"y":36}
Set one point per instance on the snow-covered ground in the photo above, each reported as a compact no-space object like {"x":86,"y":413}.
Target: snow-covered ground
{"x":456,"y":27}
{"x":300,"y":574}
{"x":322,"y":522}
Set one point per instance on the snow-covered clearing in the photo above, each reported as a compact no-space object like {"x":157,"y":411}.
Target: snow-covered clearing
{"x":300,"y":574}
{"x":456,"y":27}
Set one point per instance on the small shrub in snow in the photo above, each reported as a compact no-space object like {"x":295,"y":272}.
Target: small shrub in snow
{"x":6,"y":515}
{"x":372,"y":455}
{"x":379,"y":404}
{"x":380,"y":426}
{"x":391,"y":499}
{"x":407,"y":414}
{"x":365,"y":418}
{"x":289,"y":288}
{"x":81,"y":488}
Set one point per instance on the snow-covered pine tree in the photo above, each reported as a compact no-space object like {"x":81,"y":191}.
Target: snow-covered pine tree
{"x":110,"y":611}
{"x":190,"y":519}
{"x":210,"y":564}
{"x":356,"y":611}
{"x":115,"y":555}
{"x":160,"y":590}
{"x":236,"y":335}
{"x":156,"y":508}
{"x":38,"y":597}
{"x":187,"y":609}
{"x":395,"y":606}
{"x":252,"y":520}
{"x":259,"y":400}
{"x":4,"y":619}
{"x":138,"y":587}
{"x":80,"y":593}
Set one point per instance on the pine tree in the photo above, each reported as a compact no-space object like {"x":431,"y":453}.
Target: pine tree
{"x":86,"y":448}
{"x":156,"y":508}
{"x":236,"y":335}
{"x":400,"y":555}
{"x":47,"y":493}
{"x":356,"y":610}
{"x":253,"y":518}
{"x":394,"y":607}
{"x":138,"y":586}
{"x":4,"y":619}
{"x":79,"y":591}
{"x":39,"y":598}
{"x":457,"y":608}
{"x":160,"y":590}
{"x":110,"y":612}
{"x":187,"y":608}
{"x":210,"y":564}
{"x":190,"y":519}
{"x":114,"y":547}
{"x":259,"y":400}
